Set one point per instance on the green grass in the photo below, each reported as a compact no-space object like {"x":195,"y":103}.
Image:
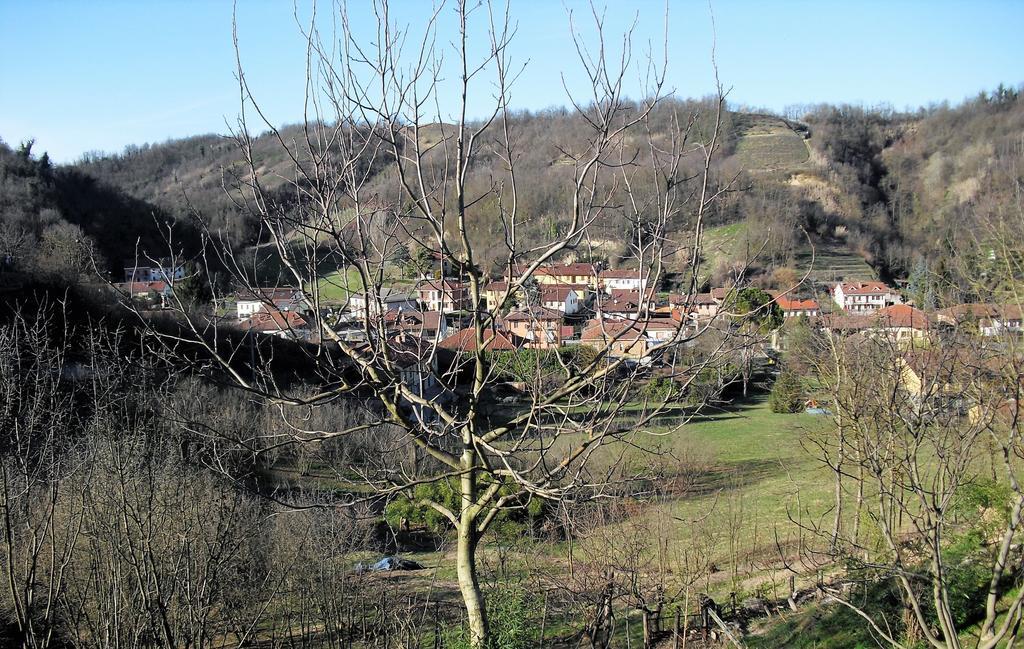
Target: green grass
{"x":721,"y":242}
{"x":765,"y":143}
{"x":336,"y":285}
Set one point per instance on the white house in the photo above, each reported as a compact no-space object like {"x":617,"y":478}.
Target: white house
{"x":155,"y":291}
{"x":283,"y":324}
{"x":162,"y":272}
{"x":622,"y":280}
{"x":864,"y":297}
{"x":564,"y":298}
{"x":361,"y":305}
{"x":990,"y":319}
{"x":796,"y":307}
{"x":444,"y":295}
{"x":429,"y":325}
{"x":282,"y":299}
{"x":627,"y":305}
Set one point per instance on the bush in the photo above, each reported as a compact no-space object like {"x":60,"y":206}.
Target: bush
{"x":787,"y":394}
{"x":511,"y":614}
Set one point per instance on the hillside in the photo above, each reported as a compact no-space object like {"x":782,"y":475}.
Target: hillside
{"x":760,"y":148}
{"x":873,"y":193}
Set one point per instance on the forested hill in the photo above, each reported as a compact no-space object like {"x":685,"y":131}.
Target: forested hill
{"x":899,"y":191}
{"x":59,"y":220}
{"x":914,"y":191}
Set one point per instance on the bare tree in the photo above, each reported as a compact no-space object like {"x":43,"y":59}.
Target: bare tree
{"x":911,"y":424}
{"x":379,"y":166}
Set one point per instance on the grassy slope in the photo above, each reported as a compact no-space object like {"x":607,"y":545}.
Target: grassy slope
{"x":766,"y":143}
{"x":829,"y":262}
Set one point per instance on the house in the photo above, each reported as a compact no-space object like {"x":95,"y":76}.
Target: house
{"x":627,"y":305}
{"x":796,"y":307}
{"x":494,"y":292}
{"x":902,"y":322}
{"x":539,"y":326}
{"x":626,"y":337}
{"x":283,"y":299}
{"x":164,"y":271}
{"x":416,"y":365}
{"x":936,"y":371}
{"x":156,"y":291}
{"x":429,"y":325}
{"x":701,"y":306}
{"x":899,"y":322}
{"x":721,"y":294}
{"x":363,"y":305}
{"x":283,"y":324}
{"x":581,"y":273}
{"x":622,"y":280}
{"x":564,"y":298}
{"x":495,"y":339}
{"x":864,"y":297}
{"x":991,"y":319}
{"x":444,"y":295}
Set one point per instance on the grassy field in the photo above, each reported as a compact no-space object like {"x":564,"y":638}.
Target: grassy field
{"x":335,"y":286}
{"x":721,"y":242}
{"x":750,"y":473}
{"x":766,"y":143}
{"x":750,"y":460}
{"x":832,"y":262}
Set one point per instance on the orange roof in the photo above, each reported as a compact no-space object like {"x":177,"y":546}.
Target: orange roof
{"x":275,"y":321}
{"x":902,"y":316}
{"x":980,"y":310}
{"x":865,"y":288}
{"x":559,"y":292}
{"x":135,"y":288}
{"x":618,"y":329}
{"x":787,"y":304}
{"x":575,"y":270}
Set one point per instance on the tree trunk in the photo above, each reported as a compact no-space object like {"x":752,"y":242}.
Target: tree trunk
{"x":469,"y":585}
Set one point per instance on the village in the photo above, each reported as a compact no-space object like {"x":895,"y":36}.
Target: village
{"x":572,"y":304}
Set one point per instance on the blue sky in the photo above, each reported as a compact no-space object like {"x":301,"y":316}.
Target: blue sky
{"x":100,"y":74}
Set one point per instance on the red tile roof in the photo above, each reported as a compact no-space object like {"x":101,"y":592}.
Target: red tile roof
{"x":275,"y":321}
{"x":559,"y":292}
{"x":565,"y":270}
{"x":137,"y":288}
{"x":797,"y":304}
{"x":901,"y":316}
{"x":979,"y":311}
{"x":865,"y":288}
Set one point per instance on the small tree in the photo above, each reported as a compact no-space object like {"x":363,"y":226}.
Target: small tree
{"x":755,"y":314}
{"x":787,"y":394}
